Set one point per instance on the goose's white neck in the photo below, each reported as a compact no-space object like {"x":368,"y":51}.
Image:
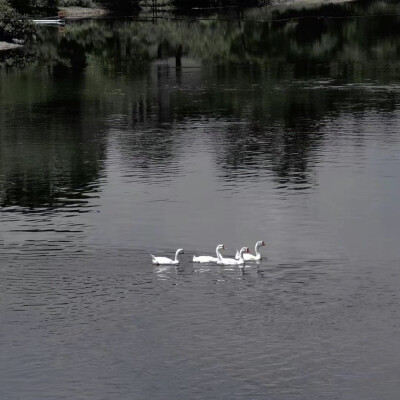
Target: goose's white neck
{"x":257,"y":248}
{"x":241,"y":254}
{"x":177,"y":255}
{"x":218,"y":251}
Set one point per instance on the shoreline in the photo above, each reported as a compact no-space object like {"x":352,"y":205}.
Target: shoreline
{"x":5,"y":46}
{"x":82,"y":12}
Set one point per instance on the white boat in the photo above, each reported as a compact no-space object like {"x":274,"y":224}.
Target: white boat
{"x":49,"y":21}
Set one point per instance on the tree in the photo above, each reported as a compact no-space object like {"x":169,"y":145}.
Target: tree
{"x":33,"y":6}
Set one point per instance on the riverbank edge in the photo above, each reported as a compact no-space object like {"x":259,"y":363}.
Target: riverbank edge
{"x":5,"y":46}
{"x":83,"y":12}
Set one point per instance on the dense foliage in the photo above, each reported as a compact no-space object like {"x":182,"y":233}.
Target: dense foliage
{"x":76,"y":3}
{"x":118,"y":5}
{"x":12,"y":23}
{"x":15,"y":14}
{"x":33,"y":6}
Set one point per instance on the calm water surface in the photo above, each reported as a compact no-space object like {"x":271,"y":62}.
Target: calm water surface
{"x":285,"y":132}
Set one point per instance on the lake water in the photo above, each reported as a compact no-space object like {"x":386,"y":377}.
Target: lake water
{"x":121,"y":138}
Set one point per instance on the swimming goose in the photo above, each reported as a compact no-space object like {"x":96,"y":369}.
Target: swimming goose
{"x":232,"y":261}
{"x":209,"y":259}
{"x":251,"y":257}
{"x":166,"y":260}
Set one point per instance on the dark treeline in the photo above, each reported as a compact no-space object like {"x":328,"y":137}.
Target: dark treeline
{"x":120,"y":6}
{"x":28,"y":7}
{"x":46,"y":7}
{"x":185,"y":5}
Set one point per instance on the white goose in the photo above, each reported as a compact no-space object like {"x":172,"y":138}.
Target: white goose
{"x":209,"y":259}
{"x":232,"y":261}
{"x":251,"y":257}
{"x":166,"y":260}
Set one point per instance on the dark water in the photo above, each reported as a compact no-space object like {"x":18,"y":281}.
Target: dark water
{"x":284,"y":131}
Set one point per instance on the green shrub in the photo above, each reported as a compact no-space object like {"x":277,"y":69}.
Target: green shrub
{"x":13,"y":25}
{"x":33,"y":7}
{"x":4,"y":7}
{"x":76,"y":3}
{"x":123,"y":6}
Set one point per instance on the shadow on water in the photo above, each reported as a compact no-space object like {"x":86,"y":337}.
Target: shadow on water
{"x":267,"y":88}
{"x":52,"y":147}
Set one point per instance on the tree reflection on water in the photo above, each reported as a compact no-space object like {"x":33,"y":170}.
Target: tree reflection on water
{"x":139,"y":80}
